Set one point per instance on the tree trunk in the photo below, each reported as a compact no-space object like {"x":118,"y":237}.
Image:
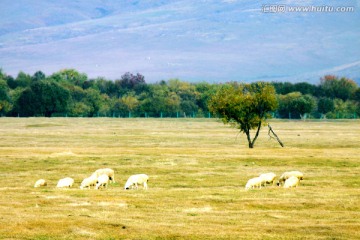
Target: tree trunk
{"x":252,"y":142}
{"x":257,"y":132}
{"x":247,"y":132}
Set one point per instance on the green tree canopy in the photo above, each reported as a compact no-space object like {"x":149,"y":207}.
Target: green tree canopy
{"x":153,"y":102}
{"x":295,"y":105}
{"x":43,"y":98}
{"x":23,"y":79}
{"x":325,"y":105}
{"x":39,"y":75}
{"x":93,"y":100}
{"x":69,"y":76}
{"x":247,"y":106}
{"x":5,"y":100}
{"x":334,"y":87}
{"x":130,"y":102}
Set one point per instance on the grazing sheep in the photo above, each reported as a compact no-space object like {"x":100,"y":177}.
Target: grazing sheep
{"x":65,"y":183}
{"x":267,"y":178}
{"x":253,"y":182}
{"x":108,"y":171}
{"x":102,"y":181}
{"x":287,"y":175}
{"x":40,"y":183}
{"x":291,"y":182}
{"x":135,"y":180}
{"x":88,"y":182}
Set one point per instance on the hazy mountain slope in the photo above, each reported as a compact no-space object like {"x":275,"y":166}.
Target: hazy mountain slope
{"x":192,"y":40}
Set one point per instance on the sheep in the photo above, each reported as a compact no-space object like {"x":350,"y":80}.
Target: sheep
{"x":65,"y":183}
{"x":287,"y":175}
{"x":291,"y":182}
{"x":102,"y":181}
{"x":253,"y":182}
{"x":88,"y":182}
{"x":107,"y":171}
{"x":268,"y":178}
{"x":135,"y":180}
{"x":40,"y":183}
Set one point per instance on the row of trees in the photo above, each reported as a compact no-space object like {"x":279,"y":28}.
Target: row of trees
{"x":73,"y":94}
{"x":333,"y":97}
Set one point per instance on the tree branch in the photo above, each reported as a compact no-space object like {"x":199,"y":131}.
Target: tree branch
{"x":276,"y":137}
{"x":257,"y":132}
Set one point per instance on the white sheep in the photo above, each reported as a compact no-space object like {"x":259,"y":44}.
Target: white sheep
{"x":253,"y":182}
{"x":135,"y":180}
{"x":102,"y":181}
{"x":267,"y":178}
{"x":291,"y":182}
{"x":40,"y":183}
{"x":108,"y":171}
{"x":287,"y":175}
{"x":65,"y":183}
{"x":88,"y":182}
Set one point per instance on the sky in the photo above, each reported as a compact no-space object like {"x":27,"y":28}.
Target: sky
{"x":204,"y":40}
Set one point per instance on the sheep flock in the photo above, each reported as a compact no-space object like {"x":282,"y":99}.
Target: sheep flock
{"x":102,"y":177}
{"x":287,"y":180}
{"x":98,"y":179}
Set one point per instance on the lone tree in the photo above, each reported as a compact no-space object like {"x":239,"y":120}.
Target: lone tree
{"x":246,"y":106}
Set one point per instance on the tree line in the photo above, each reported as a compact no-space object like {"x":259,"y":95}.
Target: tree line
{"x":72,"y":94}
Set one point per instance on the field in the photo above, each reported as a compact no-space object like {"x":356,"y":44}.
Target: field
{"x":198,"y":169}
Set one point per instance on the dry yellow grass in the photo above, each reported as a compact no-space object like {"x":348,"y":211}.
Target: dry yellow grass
{"x":198,"y":169}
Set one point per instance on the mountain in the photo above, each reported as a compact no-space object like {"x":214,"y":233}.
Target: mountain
{"x":351,"y":71}
{"x":205,"y":40}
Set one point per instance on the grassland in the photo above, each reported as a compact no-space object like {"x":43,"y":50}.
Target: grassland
{"x":197,"y":168}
